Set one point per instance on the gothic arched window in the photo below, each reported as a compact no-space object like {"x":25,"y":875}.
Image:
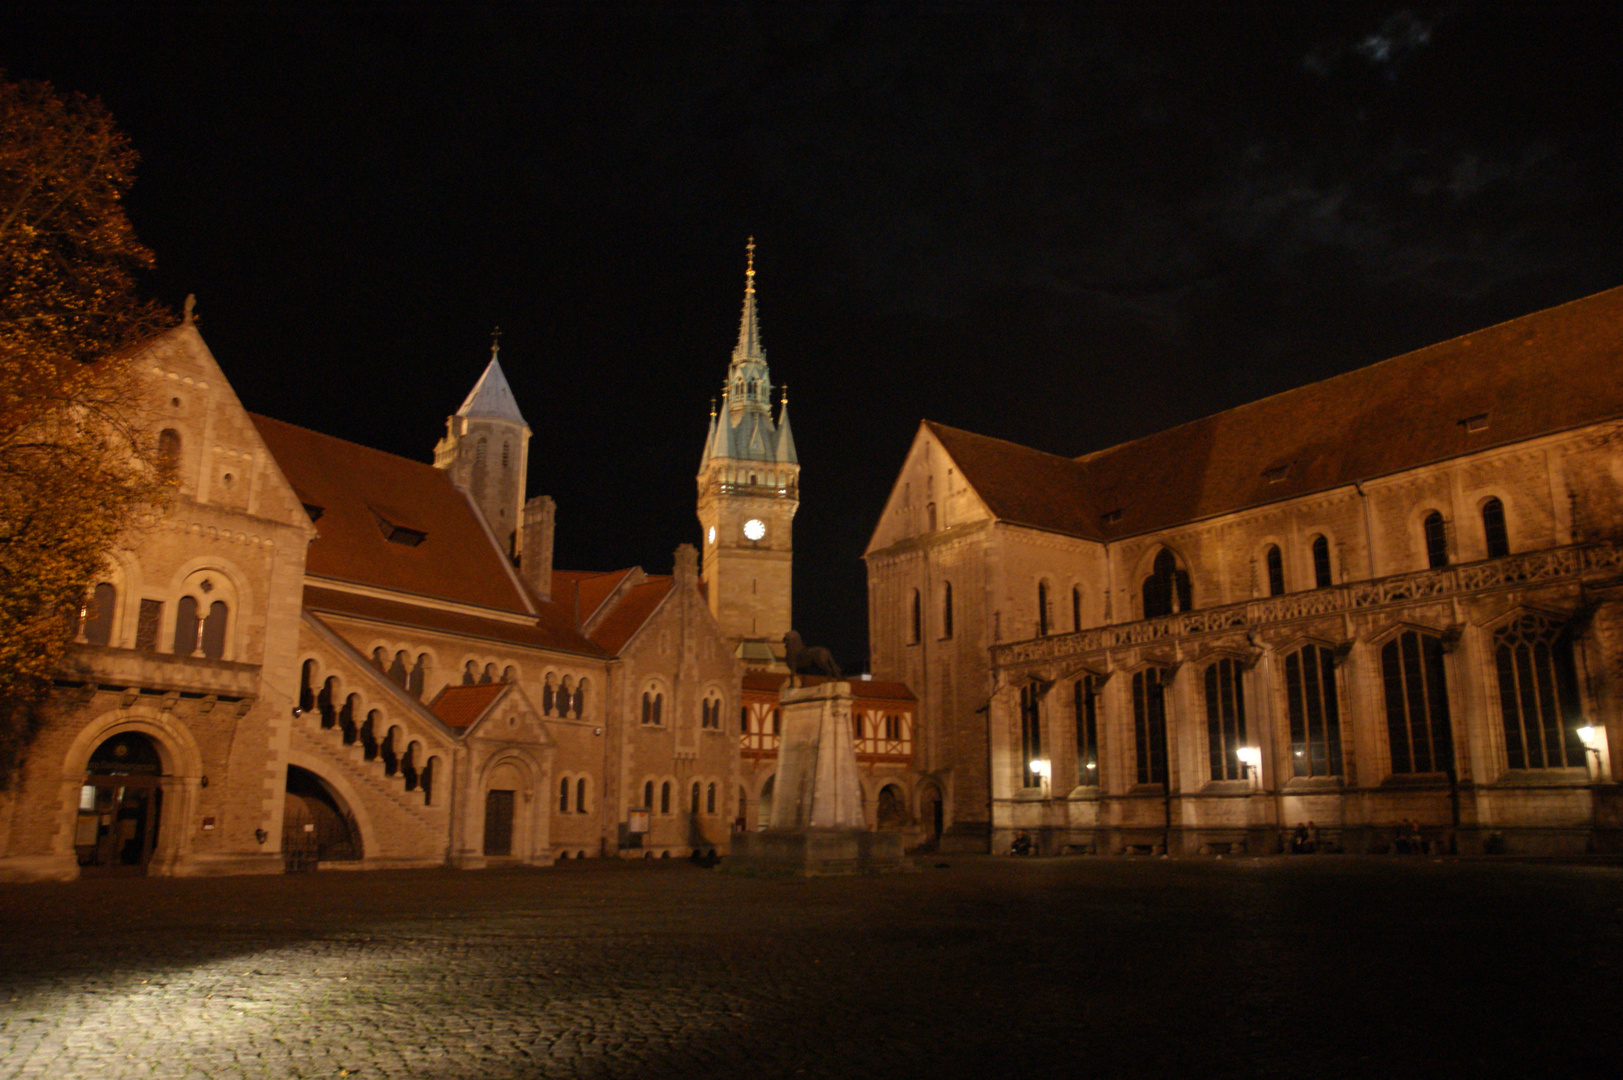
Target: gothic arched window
{"x":1418,"y":727}
{"x":1538,"y":695}
{"x":1493,"y":529}
{"x":918,"y":620}
{"x":1076,"y":607}
{"x":1225,"y":718}
{"x":946,"y":609}
{"x":98,"y":614}
{"x":1321,"y":563}
{"x":1436,"y":540}
{"x":1276,"y":570}
{"x":1150,"y":724}
{"x":1166,"y":590}
{"x":1087,"y":731}
{"x":1031,"y":736}
{"x":1315,"y":714}
{"x":1043,"y":620}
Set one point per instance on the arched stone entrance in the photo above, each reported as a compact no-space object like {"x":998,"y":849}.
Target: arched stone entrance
{"x":120,"y":807}
{"x":763,"y":805}
{"x":932,"y":814}
{"x":316,"y":825}
{"x":892,"y":807}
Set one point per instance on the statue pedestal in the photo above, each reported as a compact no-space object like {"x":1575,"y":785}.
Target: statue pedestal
{"x":817,"y":826}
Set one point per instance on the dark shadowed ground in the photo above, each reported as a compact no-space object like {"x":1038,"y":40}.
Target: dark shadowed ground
{"x":1321,"y":965}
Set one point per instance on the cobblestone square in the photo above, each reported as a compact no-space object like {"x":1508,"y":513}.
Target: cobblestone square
{"x":1079,"y":966}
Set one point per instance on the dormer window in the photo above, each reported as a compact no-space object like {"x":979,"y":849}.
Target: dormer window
{"x":1474,"y":424}
{"x":1110,"y":517}
{"x":1277,"y":473}
{"x":396,"y":531}
{"x":313,"y":511}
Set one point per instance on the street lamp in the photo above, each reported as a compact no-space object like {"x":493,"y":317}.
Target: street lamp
{"x":1590,"y":737}
{"x":1250,"y":762}
{"x":1041,"y":767}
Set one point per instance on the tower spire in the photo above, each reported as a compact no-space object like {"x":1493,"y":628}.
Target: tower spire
{"x":749,"y":330}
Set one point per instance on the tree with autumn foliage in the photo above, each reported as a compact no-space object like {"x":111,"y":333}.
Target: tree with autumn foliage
{"x":74,"y":453}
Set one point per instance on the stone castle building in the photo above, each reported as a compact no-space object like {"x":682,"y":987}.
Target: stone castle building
{"x":1384,"y":603}
{"x":319,"y":654}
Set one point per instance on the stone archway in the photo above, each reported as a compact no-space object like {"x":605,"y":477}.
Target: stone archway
{"x":891,"y":808}
{"x":120,"y":807}
{"x":932,"y":814}
{"x":317,"y":826}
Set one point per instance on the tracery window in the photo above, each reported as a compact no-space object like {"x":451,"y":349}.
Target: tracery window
{"x":1166,"y":590}
{"x":1538,"y":695}
{"x":1276,"y":570}
{"x":1321,"y":563}
{"x":1436,"y":540}
{"x":1150,"y":724}
{"x":1031,"y":736}
{"x":1225,"y":718}
{"x":1086,"y":694}
{"x":1419,"y":730}
{"x":1315,"y":713}
{"x":1493,"y":529}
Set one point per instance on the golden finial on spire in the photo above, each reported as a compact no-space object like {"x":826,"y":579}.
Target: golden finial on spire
{"x":783,"y":394}
{"x":495,"y":342}
{"x":749,"y":270}
{"x":712,"y":408}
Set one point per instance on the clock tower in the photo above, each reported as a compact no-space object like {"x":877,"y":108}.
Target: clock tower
{"x":749,"y":489}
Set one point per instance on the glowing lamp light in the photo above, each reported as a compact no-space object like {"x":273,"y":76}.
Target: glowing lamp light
{"x":1041,"y":767}
{"x":1250,"y":756}
{"x":1586,"y":735}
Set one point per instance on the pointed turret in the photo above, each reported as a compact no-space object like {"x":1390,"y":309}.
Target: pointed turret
{"x":486,"y":450}
{"x":749,"y":482}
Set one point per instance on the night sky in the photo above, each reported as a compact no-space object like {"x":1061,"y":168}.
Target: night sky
{"x":1063,"y":225}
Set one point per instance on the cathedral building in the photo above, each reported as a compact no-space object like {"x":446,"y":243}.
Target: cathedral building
{"x":1380,"y":612}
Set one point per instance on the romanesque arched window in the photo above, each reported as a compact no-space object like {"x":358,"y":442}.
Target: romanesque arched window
{"x":419,"y":672}
{"x":1044,"y":617}
{"x":1321,"y":563}
{"x":1494,"y":534}
{"x":186,"y":626}
{"x":1538,"y":695}
{"x":307,"y":690}
{"x":211,"y":635}
{"x":1275,"y":562}
{"x":648,"y":795}
{"x":580,"y":795}
{"x":97,"y":615}
{"x":1076,"y":607}
{"x":710,"y":799}
{"x":169,"y":455}
{"x":1031,"y":736}
{"x":1086,"y":702}
{"x":563,"y":796}
{"x":1150,"y":724}
{"x":1225,"y":718}
{"x":665,"y":797}
{"x":1419,"y":730}
{"x":697,"y":792}
{"x":1166,"y":590}
{"x":1315,"y":714}
{"x":397,"y":668}
{"x":1436,"y":532}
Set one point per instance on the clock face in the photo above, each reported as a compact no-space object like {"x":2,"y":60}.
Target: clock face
{"x":711,"y":537}
{"x":754,"y":528}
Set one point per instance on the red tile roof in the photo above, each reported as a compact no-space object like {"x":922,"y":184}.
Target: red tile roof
{"x":462,"y":706}
{"x":769,"y":683}
{"x":635,"y":607}
{"x":552,"y":628}
{"x":1537,"y":375}
{"x":584,"y":591}
{"x":356,"y":486}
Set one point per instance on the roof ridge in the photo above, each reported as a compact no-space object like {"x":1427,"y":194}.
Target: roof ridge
{"x":348,"y":442}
